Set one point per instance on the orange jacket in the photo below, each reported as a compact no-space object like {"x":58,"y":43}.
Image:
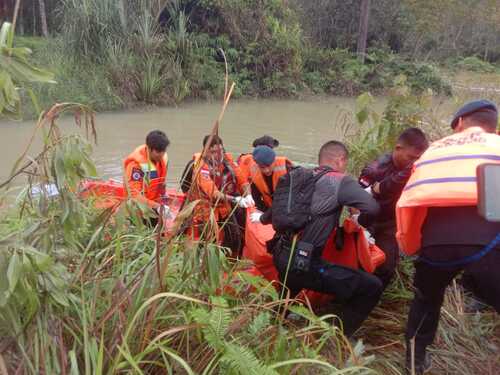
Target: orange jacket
{"x":227,"y":179}
{"x":144,"y":180}
{"x":245,"y":163}
{"x":444,"y":176}
{"x":279,"y":169}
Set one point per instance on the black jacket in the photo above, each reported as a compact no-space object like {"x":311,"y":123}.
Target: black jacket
{"x":457,"y":226}
{"x":392,"y":181}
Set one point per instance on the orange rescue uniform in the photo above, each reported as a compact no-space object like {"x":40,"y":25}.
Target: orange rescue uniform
{"x":245,"y":163}
{"x":143,"y":179}
{"x":226,"y":178}
{"x":279,"y":167}
{"x":444,"y":176}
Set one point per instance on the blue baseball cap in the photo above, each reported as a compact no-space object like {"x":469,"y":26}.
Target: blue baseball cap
{"x":263,"y":155}
{"x":471,"y":107}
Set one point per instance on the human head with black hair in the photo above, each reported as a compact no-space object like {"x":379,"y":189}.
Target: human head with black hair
{"x":266,"y":140}
{"x":157,"y":143}
{"x":215,"y":150}
{"x":334,"y":154}
{"x":482,"y":113}
{"x":410,"y":145}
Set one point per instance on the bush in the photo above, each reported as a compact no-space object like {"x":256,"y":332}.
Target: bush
{"x":473,"y":64}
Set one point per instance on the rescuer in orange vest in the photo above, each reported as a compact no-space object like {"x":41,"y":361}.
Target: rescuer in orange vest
{"x":264,"y":174}
{"x":218,"y":183}
{"x":437,"y":217}
{"x":245,"y":161}
{"x":146,"y":172}
{"x":385,"y":179}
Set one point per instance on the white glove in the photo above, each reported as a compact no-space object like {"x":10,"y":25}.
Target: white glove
{"x":255,"y":217}
{"x":249,"y":201}
{"x":354,"y":218}
{"x":369,"y":190}
{"x":369,"y":237}
{"x":165,"y":211}
{"x":244,"y":202}
{"x":240,"y":201}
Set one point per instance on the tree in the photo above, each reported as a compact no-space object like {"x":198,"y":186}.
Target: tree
{"x":363,"y":29}
{"x":16,"y":73}
{"x":43,"y":18}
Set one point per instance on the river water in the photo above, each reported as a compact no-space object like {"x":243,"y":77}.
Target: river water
{"x":300,"y":126}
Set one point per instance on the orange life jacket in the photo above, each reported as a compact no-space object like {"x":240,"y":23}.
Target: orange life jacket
{"x":245,"y":163}
{"x":444,"y":176}
{"x":144,"y":180}
{"x":227,"y":179}
{"x":279,"y":169}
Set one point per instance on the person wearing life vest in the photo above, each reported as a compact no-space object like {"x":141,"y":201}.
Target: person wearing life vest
{"x":246,"y":161}
{"x":437,"y":218}
{"x":264,"y":175}
{"x":145,"y":172}
{"x":356,"y":291}
{"x":385,"y":179}
{"x":217,"y":184}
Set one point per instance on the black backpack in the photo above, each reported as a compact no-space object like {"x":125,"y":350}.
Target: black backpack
{"x":291,"y":209}
{"x":187,"y":176}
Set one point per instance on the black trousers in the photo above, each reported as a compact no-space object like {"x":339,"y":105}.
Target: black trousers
{"x":430,"y":284}
{"x":385,"y":239}
{"x":357,"y":292}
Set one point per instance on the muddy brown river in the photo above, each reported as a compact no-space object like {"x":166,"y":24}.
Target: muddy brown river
{"x":300,"y":126}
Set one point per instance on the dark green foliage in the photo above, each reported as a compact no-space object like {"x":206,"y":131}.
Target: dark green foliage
{"x":113,"y":53}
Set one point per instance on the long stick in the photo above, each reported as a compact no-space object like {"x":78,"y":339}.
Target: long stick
{"x":215,"y":128}
{"x":14,"y":17}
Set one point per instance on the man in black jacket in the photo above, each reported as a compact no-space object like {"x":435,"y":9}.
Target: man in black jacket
{"x":385,"y":178}
{"x":357,"y":291}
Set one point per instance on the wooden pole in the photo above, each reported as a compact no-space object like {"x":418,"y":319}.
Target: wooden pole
{"x":14,"y":17}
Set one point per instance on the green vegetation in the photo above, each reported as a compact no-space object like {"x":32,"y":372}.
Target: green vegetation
{"x":97,"y":292}
{"x":16,"y":74}
{"x":83,"y":293}
{"x":116,"y":54}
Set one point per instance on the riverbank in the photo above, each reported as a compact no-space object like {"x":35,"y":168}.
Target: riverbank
{"x":92,"y":83}
{"x":323,"y":73}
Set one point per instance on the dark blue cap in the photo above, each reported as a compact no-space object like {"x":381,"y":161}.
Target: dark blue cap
{"x":263,"y":155}
{"x":471,"y":107}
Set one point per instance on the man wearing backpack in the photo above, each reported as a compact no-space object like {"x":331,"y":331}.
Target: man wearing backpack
{"x":306,"y":209}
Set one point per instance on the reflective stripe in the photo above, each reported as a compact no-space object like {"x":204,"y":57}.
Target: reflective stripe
{"x":440,"y":181}
{"x":459,"y":157}
{"x":148,"y":167}
{"x":279,"y":168}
